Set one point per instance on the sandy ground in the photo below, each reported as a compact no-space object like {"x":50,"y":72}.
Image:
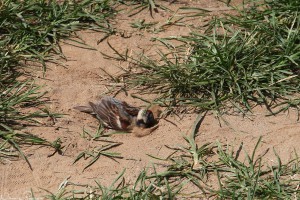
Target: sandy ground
{"x":82,"y":80}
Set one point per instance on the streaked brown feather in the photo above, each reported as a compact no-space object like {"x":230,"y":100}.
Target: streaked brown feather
{"x":130,"y":109}
{"x":109,"y":119}
{"x":108,"y":111}
{"x":116,"y":114}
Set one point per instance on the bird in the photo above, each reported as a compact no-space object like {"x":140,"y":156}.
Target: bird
{"x":119,"y":115}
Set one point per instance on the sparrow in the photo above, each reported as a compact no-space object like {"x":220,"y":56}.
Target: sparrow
{"x":118,"y":115}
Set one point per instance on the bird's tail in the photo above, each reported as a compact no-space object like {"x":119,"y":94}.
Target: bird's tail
{"x":86,"y":109}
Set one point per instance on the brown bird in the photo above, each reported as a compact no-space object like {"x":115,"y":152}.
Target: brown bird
{"x":119,"y":115}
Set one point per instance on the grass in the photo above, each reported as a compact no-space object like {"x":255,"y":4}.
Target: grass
{"x":184,"y":176}
{"x":240,"y":61}
{"x":142,"y":25}
{"x":256,"y":62}
{"x":30,"y":32}
{"x":99,"y":151}
{"x":140,"y":5}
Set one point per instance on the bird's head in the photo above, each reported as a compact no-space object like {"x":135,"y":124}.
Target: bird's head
{"x":145,"y":119}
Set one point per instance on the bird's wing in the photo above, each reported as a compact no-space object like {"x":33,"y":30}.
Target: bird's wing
{"x":125,"y":110}
{"x":133,"y":111}
{"x":108,"y":110}
{"x":106,"y":115}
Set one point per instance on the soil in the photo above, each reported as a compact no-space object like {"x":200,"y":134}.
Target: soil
{"x":82,"y":80}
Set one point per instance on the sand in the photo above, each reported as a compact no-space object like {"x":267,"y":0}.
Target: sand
{"x":82,"y":80}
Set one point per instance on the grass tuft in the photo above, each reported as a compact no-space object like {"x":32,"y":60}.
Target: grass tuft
{"x":243,"y":59}
{"x":30,"y":32}
{"x":220,"y":173}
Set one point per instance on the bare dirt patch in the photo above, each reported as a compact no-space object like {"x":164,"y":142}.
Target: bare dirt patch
{"x":82,"y":80}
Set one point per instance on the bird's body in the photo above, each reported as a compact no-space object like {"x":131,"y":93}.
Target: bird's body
{"x":118,"y":115}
